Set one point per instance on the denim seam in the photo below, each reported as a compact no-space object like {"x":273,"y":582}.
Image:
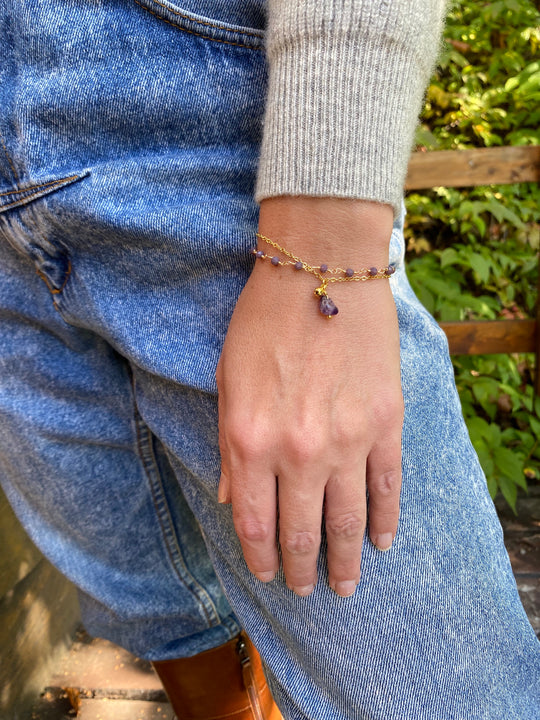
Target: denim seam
{"x":22,"y":191}
{"x":34,"y":191}
{"x":205,"y":37}
{"x":146,"y":454}
{"x":11,"y":165}
{"x":55,"y":291}
{"x":209,"y":24}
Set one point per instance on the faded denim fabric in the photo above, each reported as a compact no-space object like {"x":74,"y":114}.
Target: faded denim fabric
{"x":130,"y":132}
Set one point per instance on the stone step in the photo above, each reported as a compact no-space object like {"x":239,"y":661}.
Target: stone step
{"x":124,"y":710}
{"x":98,"y":680}
{"x":98,"y":668}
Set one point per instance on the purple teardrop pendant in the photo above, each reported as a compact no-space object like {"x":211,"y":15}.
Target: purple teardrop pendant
{"x":327,"y":306}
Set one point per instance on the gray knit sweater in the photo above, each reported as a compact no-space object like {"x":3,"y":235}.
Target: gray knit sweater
{"x":346,"y":80}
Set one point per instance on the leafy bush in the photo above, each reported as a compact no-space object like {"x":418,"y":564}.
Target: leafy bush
{"x":473,"y":253}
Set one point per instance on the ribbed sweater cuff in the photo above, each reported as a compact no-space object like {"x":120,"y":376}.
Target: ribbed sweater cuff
{"x":340,"y":118}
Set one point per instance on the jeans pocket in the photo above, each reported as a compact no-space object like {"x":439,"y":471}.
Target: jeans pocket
{"x":209,"y":28}
{"x":27,"y":227}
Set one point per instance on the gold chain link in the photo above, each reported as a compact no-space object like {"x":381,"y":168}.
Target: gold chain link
{"x":331,"y":275}
{"x":323,"y":273}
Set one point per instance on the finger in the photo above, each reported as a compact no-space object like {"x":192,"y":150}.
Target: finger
{"x":223,"y":488}
{"x":384,"y":485}
{"x":224,"y":491}
{"x":300,"y":518}
{"x":345,"y":522}
{"x":254,"y":502}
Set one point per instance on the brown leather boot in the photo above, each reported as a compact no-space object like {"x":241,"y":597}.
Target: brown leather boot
{"x":226,"y":682}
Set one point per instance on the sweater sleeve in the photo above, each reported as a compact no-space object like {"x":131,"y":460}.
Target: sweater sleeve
{"x":346,"y":81}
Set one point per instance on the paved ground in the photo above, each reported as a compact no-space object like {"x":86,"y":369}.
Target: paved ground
{"x":100,"y":681}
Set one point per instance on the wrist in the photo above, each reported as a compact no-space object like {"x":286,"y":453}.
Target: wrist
{"x":329,"y":230}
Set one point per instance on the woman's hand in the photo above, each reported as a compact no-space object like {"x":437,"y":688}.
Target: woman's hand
{"x":310,"y":409}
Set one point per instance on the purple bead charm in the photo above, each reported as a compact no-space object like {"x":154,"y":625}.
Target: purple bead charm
{"x":327,"y":306}
{"x":259,"y":254}
{"x":390,"y":270}
{"x":349,"y":272}
{"x":298,"y":265}
{"x":323,"y":268}
{"x":373,"y":271}
{"x":275,"y":260}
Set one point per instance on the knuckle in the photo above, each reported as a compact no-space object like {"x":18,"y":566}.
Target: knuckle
{"x":345,"y":527}
{"x":389,"y":412}
{"x":349,"y":433}
{"x":300,"y":543}
{"x":248,"y":440}
{"x":303,"y":447}
{"x":253,"y":531}
{"x":386,"y":484}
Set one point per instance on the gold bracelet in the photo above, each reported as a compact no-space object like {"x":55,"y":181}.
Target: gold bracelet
{"x":323,"y":273}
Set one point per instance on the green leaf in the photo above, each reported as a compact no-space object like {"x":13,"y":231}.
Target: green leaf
{"x":485,"y":458}
{"x":478,"y":427}
{"x":531,"y":85}
{"x":448,"y":312}
{"x":507,"y":463}
{"x":527,"y":136}
{"x":481,"y":266}
{"x":511,"y":84}
{"x":485,"y":390}
{"x":426,"y":298}
{"x":521,"y":481}
{"x":494,"y":435}
{"x":479,"y":224}
{"x":535,"y":425}
{"x":509,"y":491}
{"x":493,"y":487}
{"x":449,"y":256}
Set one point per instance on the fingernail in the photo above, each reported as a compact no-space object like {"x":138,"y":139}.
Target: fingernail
{"x":383,"y":541}
{"x":222,"y":492}
{"x":266,"y":576}
{"x":345,"y":588}
{"x":304,"y":590}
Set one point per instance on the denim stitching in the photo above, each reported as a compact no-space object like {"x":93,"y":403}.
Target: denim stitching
{"x":209,"y":24}
{"x":174,"y":552}
{"x":55,"y":291}
{"x":36,"y":187}
{"x":205,"y":37}
{"x":9,"y":159}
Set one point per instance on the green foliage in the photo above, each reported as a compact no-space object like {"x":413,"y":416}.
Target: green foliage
{"x":503,"y":418}
{"x":473,"y":253}
{"x":487,"y":87}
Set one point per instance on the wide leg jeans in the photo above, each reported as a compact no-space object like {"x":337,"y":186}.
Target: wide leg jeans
{"x":130,"y":133}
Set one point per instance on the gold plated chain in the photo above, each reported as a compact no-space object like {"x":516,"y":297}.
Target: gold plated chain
{"x":323,"y":273}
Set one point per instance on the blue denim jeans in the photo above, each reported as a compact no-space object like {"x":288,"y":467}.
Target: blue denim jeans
{"x":130,"y":133}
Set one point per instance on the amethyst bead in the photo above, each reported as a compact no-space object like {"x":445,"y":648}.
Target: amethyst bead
{"x":327,"y":306}
{"x":298,"y":265}
{"x":373,"y":271}
{"x":390,"y":270}
{"x":259,"y":254}
{"x":275,"y":260}
{"x":323,"y":268}
{"x":349,"y":272}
